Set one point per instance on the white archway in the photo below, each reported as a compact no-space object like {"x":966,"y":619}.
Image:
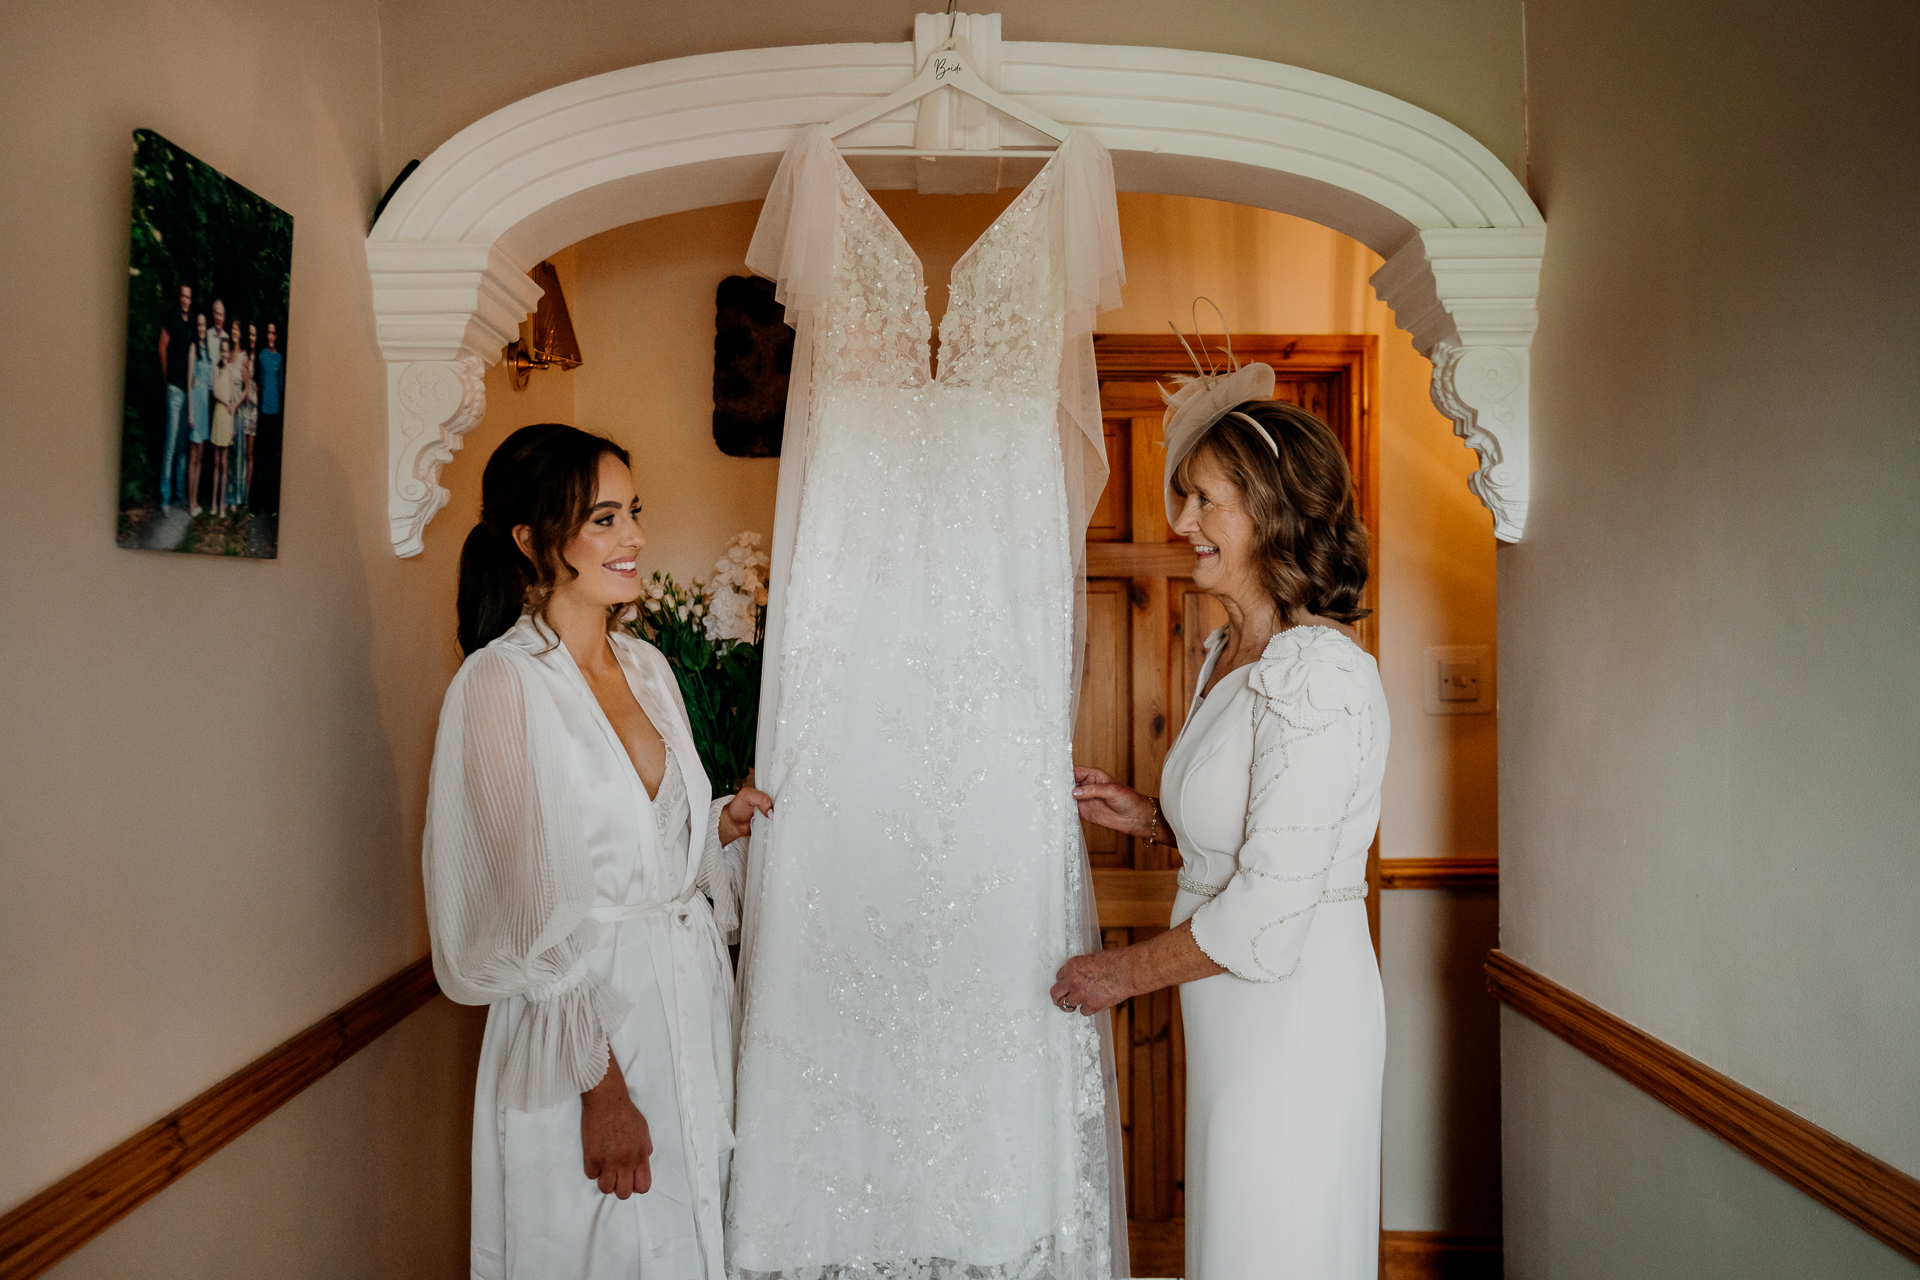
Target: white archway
{"x":450,"y":253}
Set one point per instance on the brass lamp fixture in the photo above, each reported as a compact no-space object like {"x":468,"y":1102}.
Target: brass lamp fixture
{"x":546,"y":337}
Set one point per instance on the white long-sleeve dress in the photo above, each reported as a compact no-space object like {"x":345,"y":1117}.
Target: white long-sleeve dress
{"x":563,"y":896}
{"x":1273,"y":789}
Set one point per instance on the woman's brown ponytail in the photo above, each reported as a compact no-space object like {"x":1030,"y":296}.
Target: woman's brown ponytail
{"x":543,"y":477}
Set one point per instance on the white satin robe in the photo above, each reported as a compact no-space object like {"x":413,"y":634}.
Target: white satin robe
{"x":532,"y":789}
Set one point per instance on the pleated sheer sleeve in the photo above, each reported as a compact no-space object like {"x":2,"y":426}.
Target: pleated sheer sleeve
{"x":722,"y":875}
{"x":509,"y":883}
{"x":1312,"y":722}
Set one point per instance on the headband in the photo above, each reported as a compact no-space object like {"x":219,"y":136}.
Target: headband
{"x":1196,"y":406}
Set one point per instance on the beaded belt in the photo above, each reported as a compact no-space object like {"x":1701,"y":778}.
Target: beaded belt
{"x":1345,"y":893}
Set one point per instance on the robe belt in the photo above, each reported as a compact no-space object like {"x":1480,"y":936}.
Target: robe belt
{"x":690,"y":1027}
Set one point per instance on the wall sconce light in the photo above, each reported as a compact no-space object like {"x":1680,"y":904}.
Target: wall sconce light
{"x":546,"y":337}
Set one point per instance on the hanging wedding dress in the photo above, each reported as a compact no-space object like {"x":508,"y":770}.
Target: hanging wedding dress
{"x":909,"y":1102}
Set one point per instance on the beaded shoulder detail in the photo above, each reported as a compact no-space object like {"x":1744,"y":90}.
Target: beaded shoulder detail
{"x":1311,"y":675}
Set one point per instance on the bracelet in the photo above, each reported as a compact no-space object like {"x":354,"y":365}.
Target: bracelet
{"x":1153,"y":825}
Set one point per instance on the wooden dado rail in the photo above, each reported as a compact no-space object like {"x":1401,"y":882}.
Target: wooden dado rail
{"x":1866,"y":1191}
{"x":76,"y":1209}
{"x":1132,"y":899}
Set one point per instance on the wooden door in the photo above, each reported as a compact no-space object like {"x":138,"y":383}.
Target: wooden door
{"x":1146,"y":623}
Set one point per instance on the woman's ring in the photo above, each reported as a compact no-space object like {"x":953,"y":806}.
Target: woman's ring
{"x":1068,"y":1008}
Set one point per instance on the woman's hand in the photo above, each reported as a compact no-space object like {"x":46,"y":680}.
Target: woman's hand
{"x":1106,"y":803}
{"x":736,"y":819}
{"x":1088,"y":984}
{"x":614,"y":1137}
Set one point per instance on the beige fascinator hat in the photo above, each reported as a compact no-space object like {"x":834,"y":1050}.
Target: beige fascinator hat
{"x":1200,"y":402}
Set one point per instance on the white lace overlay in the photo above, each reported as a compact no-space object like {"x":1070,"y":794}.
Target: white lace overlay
{"x":910,"y":1104}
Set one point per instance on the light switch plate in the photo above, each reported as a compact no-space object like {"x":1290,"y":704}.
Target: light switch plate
{"x":1459,"y":680}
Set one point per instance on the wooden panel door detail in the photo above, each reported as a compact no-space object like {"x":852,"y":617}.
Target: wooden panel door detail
{"x":1146,"y":627}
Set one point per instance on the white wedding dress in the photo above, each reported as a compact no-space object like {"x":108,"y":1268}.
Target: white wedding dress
{"x":909,"y":1102}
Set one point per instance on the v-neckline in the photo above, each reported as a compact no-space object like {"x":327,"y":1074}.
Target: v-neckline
{"x":906,"y":244}
{"x":613,"y":734}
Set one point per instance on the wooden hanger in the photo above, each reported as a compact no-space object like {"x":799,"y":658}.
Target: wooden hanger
{"x":947,"y":68}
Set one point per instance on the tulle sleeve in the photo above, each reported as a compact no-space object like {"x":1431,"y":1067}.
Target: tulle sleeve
{"x":793,"y":244}
{"x":509,"y":883}
{"x":1084,"y":235}
{"x":1087,"y":222}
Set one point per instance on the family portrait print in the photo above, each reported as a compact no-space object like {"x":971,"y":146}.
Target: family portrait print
{"x":209,"y":277}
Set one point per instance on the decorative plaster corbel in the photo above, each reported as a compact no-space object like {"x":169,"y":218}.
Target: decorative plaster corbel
{"x":1484,"y":391}
{"x":1467,"y":297}
{"x":430,"y":405}
{"x":446,"y":310}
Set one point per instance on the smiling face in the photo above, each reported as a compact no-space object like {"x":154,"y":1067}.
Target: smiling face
{"x":604,"y":551}
{"x":1225,"y":540}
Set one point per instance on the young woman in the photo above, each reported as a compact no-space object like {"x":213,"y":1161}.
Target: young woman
{"x":580,"y":883}
{"x":229,"y":389}
{"x":1272,"y":793}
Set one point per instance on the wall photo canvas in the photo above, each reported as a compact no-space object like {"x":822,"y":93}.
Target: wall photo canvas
{"x":209,"y":279}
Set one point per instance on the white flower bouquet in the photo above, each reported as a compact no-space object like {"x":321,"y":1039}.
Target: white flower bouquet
{"x":711,"y":634}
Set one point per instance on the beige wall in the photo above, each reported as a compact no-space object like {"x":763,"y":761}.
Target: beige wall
{"x":1710,"y":705}
{"x":211,"y":771}
{"x":449,"y":62}
{"x":362,"y":1177}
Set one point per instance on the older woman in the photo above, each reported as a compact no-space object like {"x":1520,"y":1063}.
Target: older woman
{"x":1272,"y":794}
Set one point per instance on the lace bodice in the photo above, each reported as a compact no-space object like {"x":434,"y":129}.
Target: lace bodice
{"x":1002,"y":330}
{"x":875,"y":327}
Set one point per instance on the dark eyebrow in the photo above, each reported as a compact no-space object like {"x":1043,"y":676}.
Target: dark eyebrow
{"x":608,"y":503}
